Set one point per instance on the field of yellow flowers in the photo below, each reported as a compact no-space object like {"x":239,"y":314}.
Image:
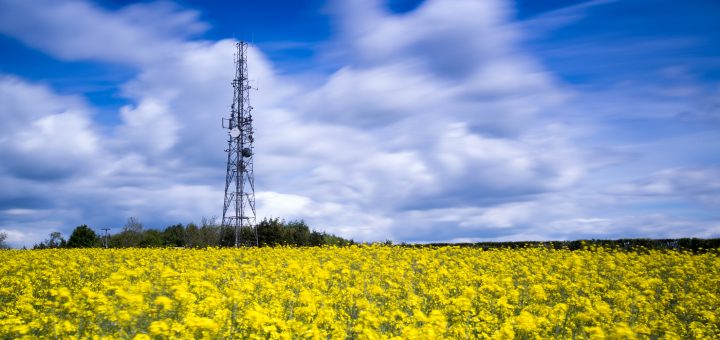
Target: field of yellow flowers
{"x":361,"y":292}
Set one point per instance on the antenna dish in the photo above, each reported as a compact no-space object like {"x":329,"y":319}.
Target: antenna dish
{"x":239,"y":203}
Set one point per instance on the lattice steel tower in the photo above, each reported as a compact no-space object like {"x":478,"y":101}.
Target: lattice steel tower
{"x":239,"y":207}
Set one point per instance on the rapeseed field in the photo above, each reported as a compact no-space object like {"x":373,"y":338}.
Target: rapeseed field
{"x":359,"y":292}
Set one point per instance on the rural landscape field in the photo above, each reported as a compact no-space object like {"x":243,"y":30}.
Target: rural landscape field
{"x":359,"y":169}
{"x":359,"y":292}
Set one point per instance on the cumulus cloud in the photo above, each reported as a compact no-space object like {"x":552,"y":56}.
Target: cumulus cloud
{"x":149,"y":126}
{"x":79,"y":30}
{"x":477,"y":33}
{"x":437,"y":127}
{"x":425,"y":122}
{"x":44,"y":135}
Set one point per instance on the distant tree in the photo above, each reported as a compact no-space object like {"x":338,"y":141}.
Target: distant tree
{"x":174,"y":236}
{"x":297,"y":233}
{"x":115,"y":241}
{"x":151,"y":238}
{"x":333,"y":240}
{"x":227,"y":237}
{"x":133,"y":225}
{"x":247,"y":236}
{"x":3,"y":244}
{"x":192,"y":236}
{"x":131,"y":235}
{"x":210,"y":236}
{"x":316,"y":238}
{"x":55,"y":241}
{"x":210,"y":232}
{"x":271,"y":232}
{"x":82,"y":237}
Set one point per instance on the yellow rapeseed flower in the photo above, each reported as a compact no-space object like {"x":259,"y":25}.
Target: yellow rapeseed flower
{"x":358,"y":292}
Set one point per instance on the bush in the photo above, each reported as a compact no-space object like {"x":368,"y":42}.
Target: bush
{"x":82,"y":237}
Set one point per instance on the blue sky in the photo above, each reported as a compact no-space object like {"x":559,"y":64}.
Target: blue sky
{"x":416,"y":121}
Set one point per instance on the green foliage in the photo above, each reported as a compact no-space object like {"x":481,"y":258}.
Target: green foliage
{"x":270,"y":232}
{"x":209,"y":232}
{"x":193,"y":238}
{"x":274,"y":232}
{"x":297,"y":233}
{"x":227,"y":237}
{"x":82,"y":237}
{"x":174,"y":236}
{"x":152,"y":238}
{"x":697,"y":245}
{"x":130,"y":236}
{"x":55,"y":241}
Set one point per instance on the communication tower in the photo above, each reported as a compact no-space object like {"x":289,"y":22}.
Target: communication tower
{"x":239,"y":205}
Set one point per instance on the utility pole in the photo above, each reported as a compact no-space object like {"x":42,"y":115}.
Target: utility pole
{"x":239,"y":203}
{"x":106,"y":237}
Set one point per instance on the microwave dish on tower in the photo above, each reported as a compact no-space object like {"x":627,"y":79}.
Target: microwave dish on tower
{"x":239,"y":204}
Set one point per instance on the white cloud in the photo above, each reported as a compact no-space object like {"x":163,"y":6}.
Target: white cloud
{"x":389,"y":133}
{"x":16,"y":95}
{"x":562,"y":17}
{"x":700,"y":185}
{"x":449,"y":37}
{"x":437,"y":127}
{"x":150,"y":126}
{"x":78,"y":30}
{"x":44,"y":136}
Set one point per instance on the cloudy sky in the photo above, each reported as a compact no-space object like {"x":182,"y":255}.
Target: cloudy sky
{"x":416,"y":121}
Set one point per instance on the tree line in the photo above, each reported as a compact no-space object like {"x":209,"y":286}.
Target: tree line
{"x":626,"y":244}
{"x":273,"y":232}
{"x":270,"y":232}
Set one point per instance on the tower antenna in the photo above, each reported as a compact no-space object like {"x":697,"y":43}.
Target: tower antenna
{"x":239,"y":204}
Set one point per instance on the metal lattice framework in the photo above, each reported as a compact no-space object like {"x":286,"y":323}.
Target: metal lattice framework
{"x":239,"y":207}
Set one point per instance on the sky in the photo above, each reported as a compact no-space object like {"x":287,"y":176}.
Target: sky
{"x":402,"y":120}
